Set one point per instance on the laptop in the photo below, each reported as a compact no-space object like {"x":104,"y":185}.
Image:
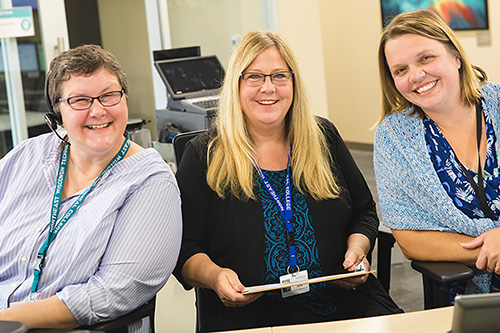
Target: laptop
{"x":193,"y":83}
{"x":476,"y":313}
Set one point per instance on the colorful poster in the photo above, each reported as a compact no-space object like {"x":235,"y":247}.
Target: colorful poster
{"x":459,"y":14}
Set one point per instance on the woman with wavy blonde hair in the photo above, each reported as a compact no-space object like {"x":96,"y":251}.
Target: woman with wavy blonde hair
{"x":272,"y":193}
{"x":428,"y":25}
{"x":436,"y":149}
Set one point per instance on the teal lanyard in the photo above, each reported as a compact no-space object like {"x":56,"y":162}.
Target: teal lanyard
{"x":56,"y":226}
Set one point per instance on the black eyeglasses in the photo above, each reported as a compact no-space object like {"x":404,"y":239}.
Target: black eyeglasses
{"x":80,"y":103}
{"x":258,"y":79}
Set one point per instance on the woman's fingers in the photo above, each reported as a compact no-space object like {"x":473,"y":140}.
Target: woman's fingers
{"x":229,"y":289}
{"x":475,"y":243}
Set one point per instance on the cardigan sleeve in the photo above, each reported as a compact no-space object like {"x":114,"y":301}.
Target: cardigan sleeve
{"x":195,"y":196}
{"x":364,"y":218}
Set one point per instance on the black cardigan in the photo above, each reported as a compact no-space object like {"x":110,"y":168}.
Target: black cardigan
{"x":231,"y":231}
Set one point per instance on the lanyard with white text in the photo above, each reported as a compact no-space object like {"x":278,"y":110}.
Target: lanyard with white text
{"x":286,"y":212}
{"x":56,"y":226}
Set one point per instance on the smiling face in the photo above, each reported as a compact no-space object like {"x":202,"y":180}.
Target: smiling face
{"x":98,"y":130}
{"x":266,"y":107}
{"x":425,"y":72}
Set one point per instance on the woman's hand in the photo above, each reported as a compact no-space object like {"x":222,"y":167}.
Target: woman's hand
{"x":228,"y":287}
{"x":489,"y":255}
{"x":200,"y":271}
{"x":353,"y":257}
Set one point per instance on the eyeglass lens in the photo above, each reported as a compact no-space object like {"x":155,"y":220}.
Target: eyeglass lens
{"x":258,"y":79}
{"x":84,"y":102}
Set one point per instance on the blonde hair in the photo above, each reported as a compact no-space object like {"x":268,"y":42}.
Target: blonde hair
{"x":429,"y":25}
{"x":231,"y":150}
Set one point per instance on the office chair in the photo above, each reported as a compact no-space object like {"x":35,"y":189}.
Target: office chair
{"x":180,"y":140}
{"x":119,"y":325}
{"x":384,"y":253}
{"x":437,"y":277}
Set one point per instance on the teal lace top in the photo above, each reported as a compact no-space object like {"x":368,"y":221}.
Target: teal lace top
{"x":276,"y":248}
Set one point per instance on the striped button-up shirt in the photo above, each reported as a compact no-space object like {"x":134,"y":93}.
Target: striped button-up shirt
{"x":114,"y":254}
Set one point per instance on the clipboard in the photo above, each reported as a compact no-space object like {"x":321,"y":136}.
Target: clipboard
{"x":274,"y":286}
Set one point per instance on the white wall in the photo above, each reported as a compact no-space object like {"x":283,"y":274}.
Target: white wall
{"x":335,"y":42}
{"x":124,"y":33}
{"x":350,"y":34}
{"x":212,"y":24}
{"x":299,"y":24}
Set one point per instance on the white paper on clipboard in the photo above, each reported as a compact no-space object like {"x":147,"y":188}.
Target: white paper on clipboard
{"x":273,"y":286}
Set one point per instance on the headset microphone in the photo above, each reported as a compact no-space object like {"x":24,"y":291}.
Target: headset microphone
{"x":53,"y":118}
{"x":51,"y":122}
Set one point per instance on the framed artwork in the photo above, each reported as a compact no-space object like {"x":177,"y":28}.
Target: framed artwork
{"x":459,"y":14}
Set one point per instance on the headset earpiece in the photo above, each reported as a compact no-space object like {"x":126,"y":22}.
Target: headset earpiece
{"x":55,"y":116}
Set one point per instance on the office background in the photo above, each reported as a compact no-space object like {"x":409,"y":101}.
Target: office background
{"x":335,"y":42}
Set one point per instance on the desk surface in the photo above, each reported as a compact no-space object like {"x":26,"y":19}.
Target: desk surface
{"x":429,"y":321}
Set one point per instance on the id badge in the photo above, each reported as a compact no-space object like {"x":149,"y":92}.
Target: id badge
{"x":295,"y":290}
{"x":360,"y":268}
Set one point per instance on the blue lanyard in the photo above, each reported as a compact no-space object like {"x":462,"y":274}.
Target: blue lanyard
{"x":56,"y":226}
{"x":286,"y":212}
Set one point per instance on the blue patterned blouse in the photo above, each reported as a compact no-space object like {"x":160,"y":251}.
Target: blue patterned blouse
{"x":276,"y":249}
{"x":453,"y":178}
{"x":456,"y":184}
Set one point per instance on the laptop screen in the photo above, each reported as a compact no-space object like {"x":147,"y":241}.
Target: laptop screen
{"x":476,"y":313}
{"x":191,"y":77}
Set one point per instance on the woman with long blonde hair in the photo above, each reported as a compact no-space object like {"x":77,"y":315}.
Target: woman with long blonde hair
{"x":271,"y":193}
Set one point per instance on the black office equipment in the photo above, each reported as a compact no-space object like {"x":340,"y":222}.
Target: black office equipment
{"x":181,"y":52}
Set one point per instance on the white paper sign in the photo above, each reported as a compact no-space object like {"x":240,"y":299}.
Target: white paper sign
{"x":16,"y":22}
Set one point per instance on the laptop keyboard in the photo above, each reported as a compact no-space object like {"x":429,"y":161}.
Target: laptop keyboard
{"x":205,"y":102}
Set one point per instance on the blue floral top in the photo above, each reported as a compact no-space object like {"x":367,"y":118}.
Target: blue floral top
{"x":456,"y":184}
{"x":276,"y":249}
{"x":454,"y":179}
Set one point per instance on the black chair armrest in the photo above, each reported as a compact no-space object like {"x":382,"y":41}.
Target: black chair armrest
{"x":120,"y":324}
{"x":437,"y":277}
{"x":443,"y":272}
{"x":384,"y":253}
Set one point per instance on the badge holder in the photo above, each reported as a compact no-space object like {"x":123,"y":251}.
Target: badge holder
{"x":296,"y":276}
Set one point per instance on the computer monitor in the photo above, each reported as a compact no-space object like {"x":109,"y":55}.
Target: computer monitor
{"x":191,"y":77}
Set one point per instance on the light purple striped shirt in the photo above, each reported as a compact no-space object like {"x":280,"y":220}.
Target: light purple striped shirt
{"x":114,"y":254}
